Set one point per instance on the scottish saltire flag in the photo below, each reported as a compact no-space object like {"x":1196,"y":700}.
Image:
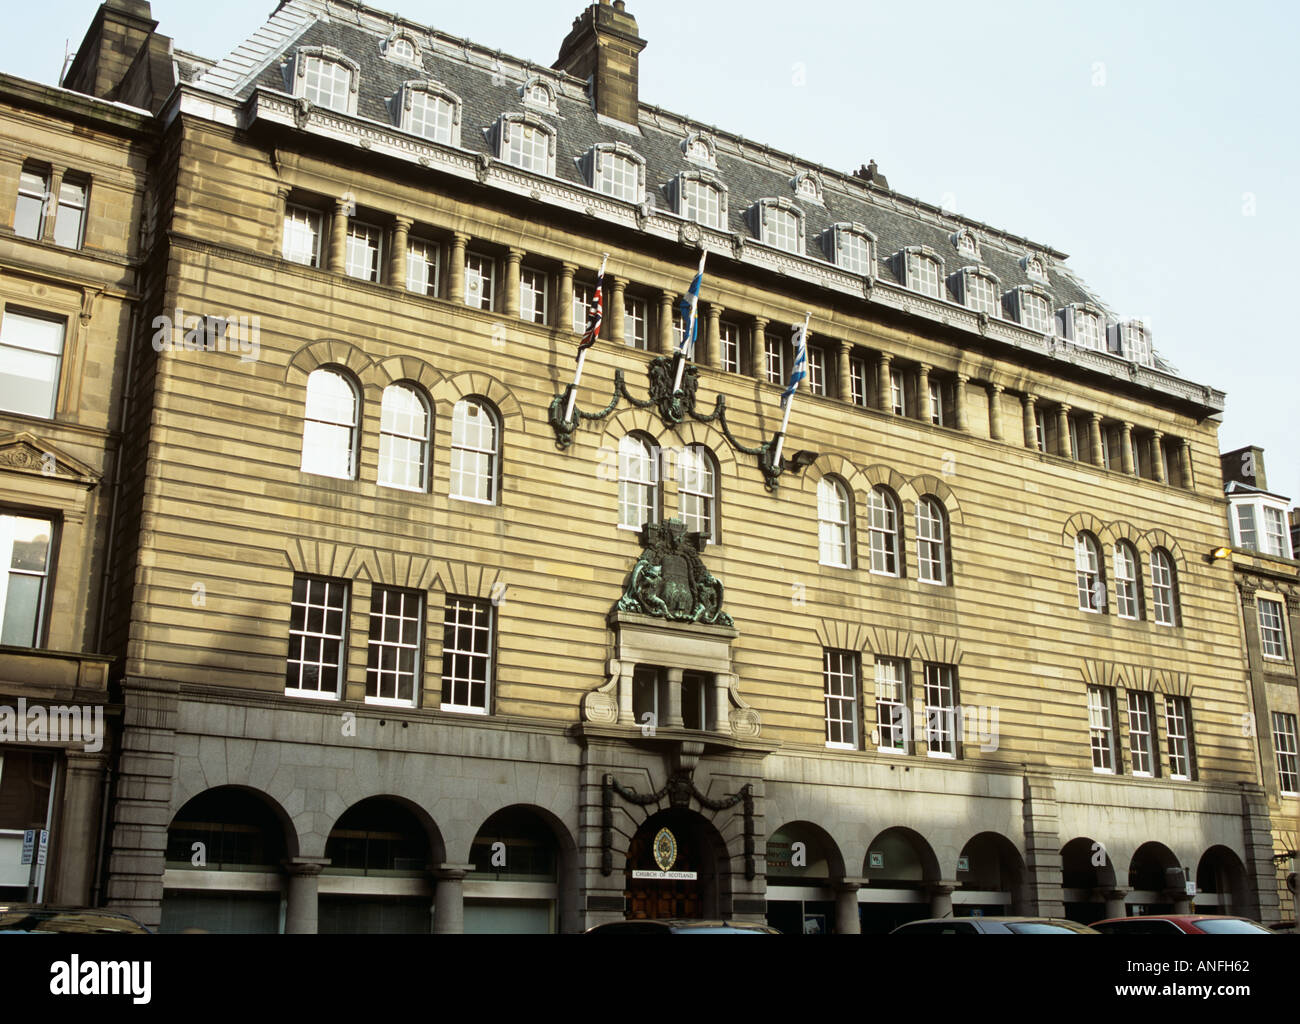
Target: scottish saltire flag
{"x":690,"y":313}
{"x":595,"y":315}
{"x":800,"y":371}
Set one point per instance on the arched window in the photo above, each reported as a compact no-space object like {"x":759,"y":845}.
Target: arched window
{"x":698,"y":487}
{"x":638,"y":482}
{"x":475,"y":452}
{"x":931,"y":542}
{"x":431,"y":111}
{"x":885,"y":529}
{"x":1128,"y":595}
{"x":702,"y":198}
{"x":329,"y":434}
{"x":404,"y":439}
{"x":1164,"y":588}
{"x":834,"y":513}
{"x":328,"y":78}
{"x":1088,"y":570}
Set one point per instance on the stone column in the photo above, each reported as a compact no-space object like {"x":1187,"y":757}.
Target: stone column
{"x":666,"y":301}
{"x":1181,"y":901}
{"x":1063,"y":444}
{"x":1031,"y":421}
{"x":614,"y":308}
{"x":449,"y":898}
{"x":758,"y":348}
{"x":995,"y":411}
{"x":673,"y":718}
{"x":339,"y":237}
{"x":78,"y":829}
{"x":923,"y":392}
{"x":456,"y":269}
{"x":721,"y":705}
{"x":282,"y":193}
{"x":51,"y":210}
{"x":564,"y":297}
{"x":397,"y":255}
{"x":941,"y":898}
{"x":959,"y":401}
{"x":626,"y":678}
{"x":1158,"y":457}
{"x":884,"y":387}
{"x":514,"y":258}
{"x":845,"y":371}
{"x":712,"y":356}
{"x":1094,"y":432}
{"x":1126,"y":449}
{"x":302,"y":915}
{"x":1185,"y":464}
{"x":847,"y":920}
{"x":1115,"y":902}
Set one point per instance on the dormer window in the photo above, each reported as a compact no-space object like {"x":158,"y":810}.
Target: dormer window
{"x":539,"y":94}
{"x":1259,"y":523}
{"x":402,"y":47}
{"x":1033,"y":308}
{"x":1081,"y":325}
{"x":1132,"y":340}
{"x":851,"y":248}
{"x":615,"y":170}
{"x":430,"y":111}
{"x":920,"y":270}
{"x":966,"y":243}
{"x":780,"y":224}
{"x":807,"y":187}
{"x":699,"y":148}
{"x":526,"y":142}
{"x":325,"y":77}
{"x":980,"y":291}
{"x":1034,"y":267}
{"x":702,"y":198}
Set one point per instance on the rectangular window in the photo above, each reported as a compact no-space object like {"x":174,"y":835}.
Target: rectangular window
{"x":583,"y":296}
{"x":841,"y":677}
{"x":774,"y":359}
{"x":636,"y":329}
{"x":1141,"y":733}
{"x":479,"y":273}
{"x":1035,"y":313}
{"x":302,"y":236}
{"x":781,"y":228}
{"x":33,"y":204}
{"x":1272,"y":630}
{"x":1288,"y":762}
{"x":1101,"y":723}
{"x":854,"y":253}
{"x":923,"y":275}
{"x":891,"y":705}
{"x":936,"y":403}
{"x":317,"y":638}
{"x":982,"y":295}
{"x":1246,"y":535}
{"x":729,"y":336}
{"x":1178,"y":733}
{"x":619,"y":177}
{"x":1276,"y":541}
{"x":858,"y":380}
{"x":327,"y":84}
{"x":941,"y":710}
{"x":25,"y":549}
{"x":422,"y":268}
{"x":364,"y":251}
{"x":70,"y":220}
{"x":393,"y":665}
{"x":31,"y":358}
{"x":898,"y":392}
{"x":1087,"y":330}
{"x":431,"y":117}
{"x":526,"y":147}
{"x":701,"y":203}
{"x":1041,"y":427}
{"x":816,"y":371}
{"x":1108,"y":454}
{"x":467,"y":655}
{"x":532,"y":296}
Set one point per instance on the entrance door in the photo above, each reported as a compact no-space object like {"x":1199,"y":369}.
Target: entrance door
{"x":697,"y":852}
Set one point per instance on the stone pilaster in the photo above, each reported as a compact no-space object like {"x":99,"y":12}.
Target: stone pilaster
{"x":1042,"y":846}
{"x":564,"y":297}
{"x":1030,"y":403}
{"x":1063,"y":443}
{"x":666,"y":301}
{"x":614,"y":308}
{"x":1126,"y":449}
{"x":456,"y":269}
{"x":995,"y":411}
{"x":302,"y":909}
{"x":514,"y":260}
{"x":1261,"y":876}
{"x":78,"y":827}
{"x":1158,"y":457}
{"x":397,"y":252}
{"x":339,"y":237}
{"x":1094,"y":434}
{"x":884,"y":385}
{"x":843,"y":356}
{"x":960,"y":417}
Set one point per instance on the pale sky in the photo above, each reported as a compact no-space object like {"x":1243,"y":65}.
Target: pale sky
{"x":1155,"y":143}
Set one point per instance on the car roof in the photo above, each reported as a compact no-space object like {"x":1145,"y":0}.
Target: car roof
{"x":991,"y":917}
{"x":1174,"y":917}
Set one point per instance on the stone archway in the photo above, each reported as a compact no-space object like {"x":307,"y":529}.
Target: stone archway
{"x":1221,"y":885}
{"x":700,"y":851}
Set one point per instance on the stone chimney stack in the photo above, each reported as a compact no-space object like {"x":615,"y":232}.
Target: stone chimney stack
{"x":604,"y":47}
{"x":123,"y":58}
{"x":1245,"y":466}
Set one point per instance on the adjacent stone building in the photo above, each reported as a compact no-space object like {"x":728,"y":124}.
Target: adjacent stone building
{"x":403,"y":644}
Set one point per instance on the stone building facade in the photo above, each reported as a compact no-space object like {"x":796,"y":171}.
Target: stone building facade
{"x":404,"y":646}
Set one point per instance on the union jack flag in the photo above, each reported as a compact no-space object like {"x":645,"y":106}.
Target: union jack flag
{"x":595,"y":315}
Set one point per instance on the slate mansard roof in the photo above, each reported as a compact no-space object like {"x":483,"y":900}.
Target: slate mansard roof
{"x":489,"y":84}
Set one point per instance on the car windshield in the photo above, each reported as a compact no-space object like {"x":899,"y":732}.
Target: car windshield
{"x":1040,"y":928}
{"x":1231,"y":927}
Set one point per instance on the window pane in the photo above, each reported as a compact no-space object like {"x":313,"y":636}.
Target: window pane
{"x":30,"y":358}
{"x":69,"y":221}
{"x":31,"y":208}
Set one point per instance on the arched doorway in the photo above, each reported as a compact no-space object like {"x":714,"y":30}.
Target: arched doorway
{"x":1221,"y":884}
{"x":1155,"y":880}
{"x":802,"y":863}
{"x":992,"y":876}
{"x":1087,"y":875}
{"x":521,"y":868}
{"x":899,"y":867}
{"x":699,"y":852}
{"x":378,"y":878}
{"x":225,"y":865}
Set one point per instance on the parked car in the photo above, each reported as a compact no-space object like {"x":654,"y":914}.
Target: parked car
{"x":28,"y":919}
{"x":680,"y":926}
{"x":993,"y":926}
{"x":1283,"y":927}
{"x":1188,"y":924}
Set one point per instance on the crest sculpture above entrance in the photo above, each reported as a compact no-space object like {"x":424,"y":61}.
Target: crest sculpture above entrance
{"x":670,"y":580}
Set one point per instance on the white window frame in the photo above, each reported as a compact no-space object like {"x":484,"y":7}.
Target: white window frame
{"x":583,"y":296}
{"x":898,"y":392}
{"x":1090,"y":577}
{"x":690,"y":186}
{"x":700,"y":148}
{"x":639,"y":489}
{"x":1178,"y":735}
{"x":315,"y":57}
{"x":423,"y":260}
{"x":329,"y":424}
{"x":893,"y":696}
{"x":729,"y":347}
{"x":941,"y":708}
{"x":1276,"y":541}
{"x":481,"y":269}
{"x":395,"y":431}
{"x":383,"y":616}
{"x":466,"y":454}
{"x":816,"y":370}
{"x":10,"y":524}
{"x":771,"y":225}
{"x":301,"y":222}
{"x":697,"y":490}
{"x":921,"y":270}
{"x":521,"y":127}
{"x":35,"y":353}
{"x":364,"y":259}
{"x":845,"y":240}
{"x":835,"y":523}
{"x":931,"y":542}
{"x":1285,"y":747}
{"x":774,"y":359}
{"x":1164,"y":588}
{"x":481,"y":618}
{"x":936,"y":402}
{"x":28,"y":194}
{"x":603,"y":159}
{"x":981,"y":291}
{"x":71,"y":207}
{"x":886,"y":533}
{"x":840,"y":690}
{"x":858,"y":380}
{"x":1272,"y":628}
{"x":1128,"y":598}
{"x":636,"y":322}
{"x":966,"y":244}
{"x":1080,"y":314}
{"x":431,"y":90}
{"x":534,"y":290}
{"x":1131,"y":340}
{"x":300,"y":611}
{"x":1034,"y":309}
{"x":1141,"y":733}
{"x":1102,"y":729}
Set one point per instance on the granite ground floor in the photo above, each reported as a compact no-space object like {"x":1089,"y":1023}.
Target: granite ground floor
{"x":234,"y":813}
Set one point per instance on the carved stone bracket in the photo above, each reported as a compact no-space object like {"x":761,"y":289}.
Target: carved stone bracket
{"x":744,"y":719}
{"x":601,"y":704}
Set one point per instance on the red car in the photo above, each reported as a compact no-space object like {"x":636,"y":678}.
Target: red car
{"x":1187,"y":924}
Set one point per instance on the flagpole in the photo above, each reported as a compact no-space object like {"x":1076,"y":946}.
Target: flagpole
{"x":582,"y":356}
{"x":785,"y":421}
{"x":693,"y":328}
